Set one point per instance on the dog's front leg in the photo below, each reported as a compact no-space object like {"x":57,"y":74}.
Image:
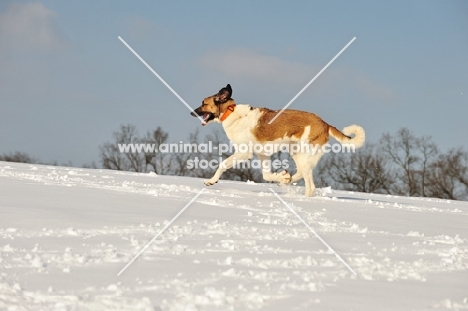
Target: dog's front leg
{"x":227,"y":164}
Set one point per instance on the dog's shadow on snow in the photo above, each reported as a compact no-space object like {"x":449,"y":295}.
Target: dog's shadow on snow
{"x":361,"y":199}
{"x":349,"y":198}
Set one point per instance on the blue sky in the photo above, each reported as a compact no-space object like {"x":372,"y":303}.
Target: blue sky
{"x":67,"y":82}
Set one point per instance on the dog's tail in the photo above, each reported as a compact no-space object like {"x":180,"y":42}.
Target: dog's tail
{"x":345,"y":136}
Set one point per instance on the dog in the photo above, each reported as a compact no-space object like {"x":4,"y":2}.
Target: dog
{"x":244,"y":124}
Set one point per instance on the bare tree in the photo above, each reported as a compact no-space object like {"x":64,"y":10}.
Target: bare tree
{"x":364,"y":171}
{"x":402,"y":150}
{"x":448,"y":176}
{"x":156,"y":161}
{"x":112,"y":157}
{"x":429,"y":152}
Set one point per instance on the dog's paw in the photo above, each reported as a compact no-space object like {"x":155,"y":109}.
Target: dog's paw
{"x":210,"y":182}
{"x":284,"y":177}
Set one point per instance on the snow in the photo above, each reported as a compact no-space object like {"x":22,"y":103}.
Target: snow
{"x":65,"y":233}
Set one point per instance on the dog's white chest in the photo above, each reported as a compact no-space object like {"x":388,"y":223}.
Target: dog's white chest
{"x":239,"y":128}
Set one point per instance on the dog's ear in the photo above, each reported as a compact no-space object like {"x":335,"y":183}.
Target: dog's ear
{"x":225,"y":94}
{"x":228,"y":87}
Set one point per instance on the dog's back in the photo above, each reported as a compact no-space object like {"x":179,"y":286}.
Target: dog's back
{"x":291,"y":125}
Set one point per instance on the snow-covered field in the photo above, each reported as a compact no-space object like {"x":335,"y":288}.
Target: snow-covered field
{"x":65,"y":233}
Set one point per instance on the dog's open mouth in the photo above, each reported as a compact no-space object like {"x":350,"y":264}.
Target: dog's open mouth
{"x":207,"y":117}
{"x":204,"y":116}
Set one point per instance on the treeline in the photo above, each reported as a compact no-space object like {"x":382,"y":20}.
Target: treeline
{"x":23,"y":157}
{"x":19,"y":157}
{"x":399,"y":164}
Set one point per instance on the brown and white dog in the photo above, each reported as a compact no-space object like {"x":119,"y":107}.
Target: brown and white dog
{"x":244,"y":124}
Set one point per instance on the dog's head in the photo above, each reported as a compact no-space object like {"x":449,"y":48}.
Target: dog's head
{"x":213,"y":106}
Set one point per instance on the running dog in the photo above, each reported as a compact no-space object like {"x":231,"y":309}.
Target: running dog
{"x":244,"y":124}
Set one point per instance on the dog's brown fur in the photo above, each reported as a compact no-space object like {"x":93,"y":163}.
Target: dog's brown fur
{"x":291,"y":123}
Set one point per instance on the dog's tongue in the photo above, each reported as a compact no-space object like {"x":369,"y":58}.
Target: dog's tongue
{"x":205,"y":117}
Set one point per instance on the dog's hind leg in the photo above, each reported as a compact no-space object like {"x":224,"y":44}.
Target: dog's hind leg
{"x":309,"y":183}
{"x":312,"y":161}
{"x":282,"y":177}
{"x":298,"y":159}
{"x":303,"y":171}
{"x":305,"y":164}
{"x":227,"y":164}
